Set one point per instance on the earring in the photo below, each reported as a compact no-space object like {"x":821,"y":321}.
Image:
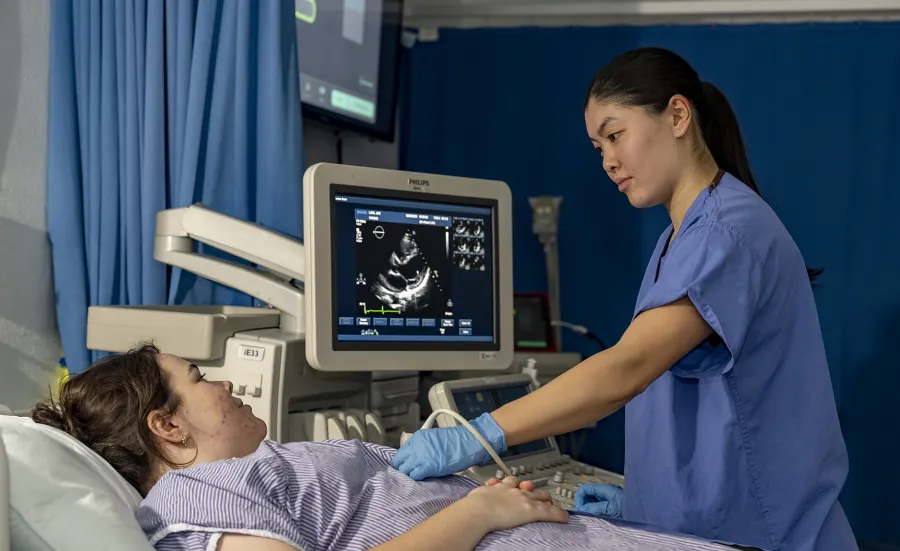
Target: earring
{"x":184,"y":440}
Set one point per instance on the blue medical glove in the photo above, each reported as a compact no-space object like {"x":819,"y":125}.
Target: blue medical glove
{"x":443,"y":451}
{"x":600,"y":499}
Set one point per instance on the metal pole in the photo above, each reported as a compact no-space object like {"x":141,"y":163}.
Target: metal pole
{"x":545,"y":225}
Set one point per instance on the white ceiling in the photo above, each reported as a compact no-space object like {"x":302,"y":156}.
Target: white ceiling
{"x":492,"y":13}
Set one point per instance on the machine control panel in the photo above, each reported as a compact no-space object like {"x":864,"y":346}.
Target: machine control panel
{"x":560,"y":476}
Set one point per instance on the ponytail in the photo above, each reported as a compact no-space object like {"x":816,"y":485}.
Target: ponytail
{"x":722,"y":135}
{"x":649,"y":77}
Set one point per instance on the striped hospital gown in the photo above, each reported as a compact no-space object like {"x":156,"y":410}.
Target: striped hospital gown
{"x":343,"y":495}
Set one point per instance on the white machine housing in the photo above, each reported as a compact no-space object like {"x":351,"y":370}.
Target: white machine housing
{"x":280,"y":357}
{"x":556,"y":472}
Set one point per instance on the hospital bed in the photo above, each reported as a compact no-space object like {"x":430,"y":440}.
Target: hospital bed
{"x":64,"y":497}
{"x":56,"y":494}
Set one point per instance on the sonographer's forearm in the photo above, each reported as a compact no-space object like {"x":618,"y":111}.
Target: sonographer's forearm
{"x":590,"y":391}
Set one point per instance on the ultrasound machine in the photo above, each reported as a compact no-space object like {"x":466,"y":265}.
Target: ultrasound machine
{"x":399,"y":272}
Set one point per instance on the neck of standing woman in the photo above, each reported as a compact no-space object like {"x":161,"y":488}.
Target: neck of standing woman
{"x":700,"y":178}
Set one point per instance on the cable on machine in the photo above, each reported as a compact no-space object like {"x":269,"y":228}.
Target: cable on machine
{"x":580,"y":330}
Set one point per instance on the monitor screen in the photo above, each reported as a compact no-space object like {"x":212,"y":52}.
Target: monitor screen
{"x":347,"y":56}
{"x":533,"y":329}
{"x":472,"y":403}
{"x":413,"y":274}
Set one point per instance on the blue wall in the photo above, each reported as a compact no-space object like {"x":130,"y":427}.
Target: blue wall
{"x":818,"y":107}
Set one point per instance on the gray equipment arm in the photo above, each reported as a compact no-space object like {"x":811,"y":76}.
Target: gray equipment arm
{"x":282,"y":257}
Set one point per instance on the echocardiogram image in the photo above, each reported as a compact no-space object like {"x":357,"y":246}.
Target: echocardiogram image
{"x":405,"y":269}
{"x":477,"y":262}
{"x":468,"y":244}
{"x":468,"y":228}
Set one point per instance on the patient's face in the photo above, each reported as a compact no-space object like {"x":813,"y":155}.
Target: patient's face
{"x":216,"y":423}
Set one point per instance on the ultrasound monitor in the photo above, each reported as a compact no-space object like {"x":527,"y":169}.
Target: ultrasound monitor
{"x":407,"y":271}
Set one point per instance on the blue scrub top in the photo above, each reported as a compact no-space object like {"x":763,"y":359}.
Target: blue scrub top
{"x":739,"y":441}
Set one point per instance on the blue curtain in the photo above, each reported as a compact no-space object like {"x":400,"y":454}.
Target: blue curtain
{"x":157,"y":104}
{"x":817,"y":104}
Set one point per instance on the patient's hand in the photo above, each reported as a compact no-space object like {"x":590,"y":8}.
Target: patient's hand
{"x":505,"y":505}
{"x":525,"y":485}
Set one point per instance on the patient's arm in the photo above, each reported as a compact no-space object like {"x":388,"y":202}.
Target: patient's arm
{"x":237,"y":542}
{"x":456,"y":528}
{"x":462,"y":525}
{"x":459,"y":527}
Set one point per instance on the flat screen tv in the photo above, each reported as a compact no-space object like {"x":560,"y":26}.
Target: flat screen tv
{"x":348,"y":55}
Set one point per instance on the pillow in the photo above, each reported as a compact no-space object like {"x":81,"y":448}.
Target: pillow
{"x":63,"y":495}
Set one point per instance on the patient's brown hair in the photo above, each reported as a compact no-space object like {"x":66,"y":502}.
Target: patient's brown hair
{"x":107,"y":406}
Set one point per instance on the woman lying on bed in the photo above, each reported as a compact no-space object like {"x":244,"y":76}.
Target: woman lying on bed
{"x":211,"y":482}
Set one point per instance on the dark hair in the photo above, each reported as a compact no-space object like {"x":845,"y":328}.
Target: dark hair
{"x":107,"y":406}
{"x":649,"y":77}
